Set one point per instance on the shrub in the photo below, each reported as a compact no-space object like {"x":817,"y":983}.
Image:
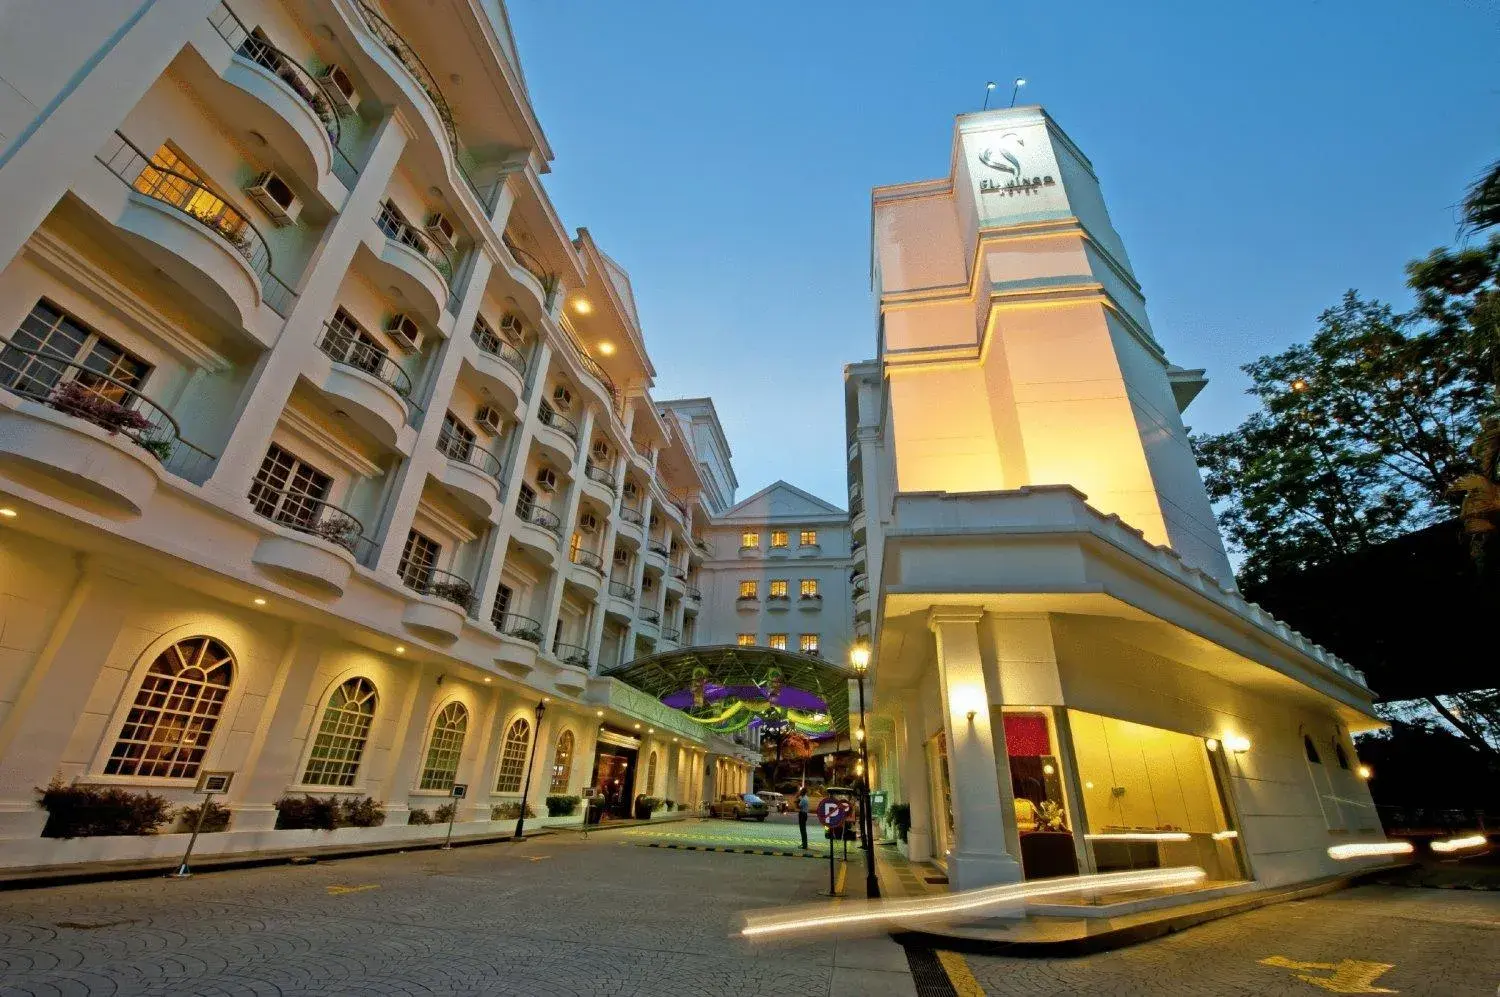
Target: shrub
{"x":668,"y":805}
{"x":216,"y":819}
{"x":419,"y":816}
{"x":308,"y":813}
{"x":363,"y":813}
{"x":444,"y":813}
{"x":562,"y":806}
{"x":89,"y":811}
{"x":900,"y":818}
{"x":510,"y":811}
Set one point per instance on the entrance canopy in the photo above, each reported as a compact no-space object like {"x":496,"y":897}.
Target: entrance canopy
{"x":727,"y":688}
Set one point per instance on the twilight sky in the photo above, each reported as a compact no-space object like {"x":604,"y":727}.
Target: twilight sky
{"x":1257,"y":159}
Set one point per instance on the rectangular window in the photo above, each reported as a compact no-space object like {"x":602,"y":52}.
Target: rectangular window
{"x":418,"y":560}
{"x":51,"y":331}
{"x":808,"y":643}
{"x":809,"y":588}
{"x":749,"y":590}
{"x":455,"y":439}
{"x":169,"y":178}
{"x":525,"y":501}
{"x":809,"y":538}
{"x":777,"y":641}
{"x":778,"y":588}
{"x":347,"y":342}
{"x":394,"y":224}
{"x":503,"y":595}
{"x":749,"y":540}
{"x":778,"y":538}
{"x":745,"y":640}
{"x":289,"y":490}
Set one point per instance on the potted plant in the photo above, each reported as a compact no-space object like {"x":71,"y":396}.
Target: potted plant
{"x":645,"y":805}
{"x":562,"y":806}
{"x":595,"y":811}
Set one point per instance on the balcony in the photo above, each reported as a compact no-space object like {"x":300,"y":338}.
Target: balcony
{"x":600,"y":475}
{"x":778,"y":603}
{"x":410,"y":263}
{"x":557,"y":433}
{"x":502,"y":365}
{"x":102,"y":441}
{"x":693,"y":592}
{"x":622,"y":590}
{"x":211,"y":249}
{"x":779,"y":550}
{"x":374,"y":389}
{"x":650,"y":616}
{"x":522,"y":628}
{"x":658,"y":548}
{"x":747,"y":603}
{"x":676,"y":574}
{"x":539,"y":530}
{"x":315,"y":543}
{"x":588,"y":570}
{"x":701,"y":549}
{"x":473,"y":474}
{"x":547,"y":284}
{"x":671,"y":634}
{"x":574,"y":655}
{"x":446,"y":602}
{"x":751,"y":550}
{"x":289,"y":107}
{"x":599,"y":375}
{"x":631,"y":526}
{"x":810,"y":601}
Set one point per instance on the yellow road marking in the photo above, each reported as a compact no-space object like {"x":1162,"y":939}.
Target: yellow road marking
{"x":958,"y":974}
{"x":334,"y":891}
{"x":1350,"y":976}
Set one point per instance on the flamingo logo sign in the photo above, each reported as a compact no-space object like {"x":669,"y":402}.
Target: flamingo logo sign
{"x":1004,"y":156}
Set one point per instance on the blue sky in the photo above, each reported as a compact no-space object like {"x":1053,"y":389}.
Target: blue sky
{"x":1257,"y":159}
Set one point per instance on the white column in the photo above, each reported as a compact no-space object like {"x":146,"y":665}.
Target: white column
{"x":979,"y":854}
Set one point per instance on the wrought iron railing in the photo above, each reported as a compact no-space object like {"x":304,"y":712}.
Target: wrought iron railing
{"x":693,"y":592}
{"x":530,"y":512}
{"x":261,"y":52}
{"x":657,"y":547}
{"x":703,"y":547}
{"x":423,"y":77}
{"x":621,"y":590}
{"x":630,"y":515}
{"x":649,"y":616}
{"x":677,"y":572}
{"x":600,"y":474}
{"x":548,"y":416}
{"x":856,"y":506}
{"x":111,"y":404}
{"x":675,"y":498}
{"x":406,"y":234}
{"x":456,"y":448}
{"x":188,"y":196}
{"x":496,"y":347}
{"x":440,"y":585}
{"x":549,"y":281}
{"x":518,"y":626}
{"x":672,"y":634}
{"x":304,"y":513}
{"x":570,"y":654}
{"x":587,"y":559}
{"x":345,"y":349}
{"x":598,"y":373}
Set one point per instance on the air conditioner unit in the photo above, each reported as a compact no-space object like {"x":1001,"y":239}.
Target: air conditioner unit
{"x":404,"y":330}
{"x":340,"y":88}
{"x":622,"y":557}
{"x":632,"y":489}
{"x":440,"y":227}
{"x":272,"y":193}
{"x":588,"y":523}
{"x":562,"y":397}
{"x":489,"y":419}
{"x":600,"y":450}
{"x":546,"y":479}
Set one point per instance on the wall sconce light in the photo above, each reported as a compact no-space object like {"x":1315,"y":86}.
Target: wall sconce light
{"x":1237,"y":743}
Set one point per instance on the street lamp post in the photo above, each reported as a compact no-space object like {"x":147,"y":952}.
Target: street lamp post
{"x":541,"y":708}
{"x":859,"y":657}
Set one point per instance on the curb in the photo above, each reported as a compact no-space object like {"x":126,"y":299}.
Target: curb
{"x":719,"y":848}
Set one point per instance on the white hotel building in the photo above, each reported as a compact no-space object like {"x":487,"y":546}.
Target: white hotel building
{"x":326,"y":454}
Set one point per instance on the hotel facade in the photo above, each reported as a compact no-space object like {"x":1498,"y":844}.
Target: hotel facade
{"x":327,"y":455}
{"x":1067,"y":678}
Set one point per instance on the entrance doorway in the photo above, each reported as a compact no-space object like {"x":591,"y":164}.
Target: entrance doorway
{"x":614,"y":777}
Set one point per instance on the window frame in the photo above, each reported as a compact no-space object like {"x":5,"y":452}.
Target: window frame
{"x":513,"y":766}
{"x":773,"y":639}
{"x":807,"y":588}
{"x":560,"y":779}
{"x":132,"y":712}
{"x":341,"y":741}
{"x":803,"y":640}
{"x":780,"y":539}
{"x":778,"y":588}
{"x":750,"y":540}
{"x":749,"y":588}
{"x":807,"y":538}
{"x":431,"y":778}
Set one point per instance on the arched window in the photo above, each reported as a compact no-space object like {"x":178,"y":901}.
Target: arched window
{"x":167,"y":730}
{"x":340,"y":743}
{"x":651,"y":775}
{"x":445,"y":747}
{"x":562,"y":763}
{"x":513,"y":757}
{"x":1311,"y":750}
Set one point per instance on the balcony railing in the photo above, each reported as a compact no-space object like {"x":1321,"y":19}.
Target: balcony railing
{"x":621,"y":590}
{"x":599,"y":474}
{"x":587,"y":559}
{"x":630,"y":515}
{"x":312,"y":516}
{"x":570,"y":654}
{"x":440,"y":585}
{"x":856,"y":506}
{"x":463,"y":451}
{"x":650,"y":616}
{"x":110,"y":404}
{"x":598,"y":373}
{"x":290,"y":72}
{"x":657,"y":547}
{"x":694,"y":592}
{"x":188,"y":196}
{"x":413,"y":238}
{"x":518,"y":626}
{"x":550,"y":281}
{"x":675,"y":498}
{"x":672,"y":634}
{"x":810,"y":597}
{"x":781,"y":597}
{"x":748,"y":599}
{"x":703,"y":547}
{"x":341,"y":346}
{"x":548,"y":416}
{"x":530,"y":512}
{"x":424,"y":79}
{"x":496,"y":347}
{"x":677,"y":573}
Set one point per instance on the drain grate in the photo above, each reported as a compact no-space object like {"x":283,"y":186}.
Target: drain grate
{"x":928,"y":974}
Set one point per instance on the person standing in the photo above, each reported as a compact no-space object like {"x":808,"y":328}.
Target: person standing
{"x":803,"y":805}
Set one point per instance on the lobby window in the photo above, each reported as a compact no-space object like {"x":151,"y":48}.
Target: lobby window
{"x":778,"y":588}
{"x":778,"y":539}
{"x":749,"y":541}
{"x":808,"y":643}
{"x":445,"y":747}
{"x":342,"y":735}
{"x":749,"y":589}
{"x":51,"y":331}
{"x":808,"y":588}
{"x":176,"y":709}
{"x":777,"y":641}
{"x":809,"y":538}
{"x":562,"y":763}
{"x":513,"y":757}
{"x":745,"y":640}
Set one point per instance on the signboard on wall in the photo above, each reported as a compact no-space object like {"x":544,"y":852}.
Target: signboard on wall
{"x":1014,"y":172}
